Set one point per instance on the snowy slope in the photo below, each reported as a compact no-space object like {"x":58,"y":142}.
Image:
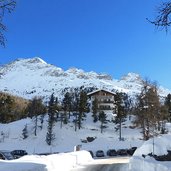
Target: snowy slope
{"x":160,"y":145}
{"x":34,"y":77}
{"x":54,"y":162}
{"x":66,"y":138}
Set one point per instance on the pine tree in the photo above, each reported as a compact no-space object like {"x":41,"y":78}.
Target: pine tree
{"x":57,"y":108}
{"x":120,"y":110}
{"x":35,"y":108}
{"x":168,"y":105}
{"x":25,"y":132}
{"x":66,"y":104}
{"x":51,"y":120}
{"x":75,"y":107}
{"x":95,"y":109}
{"x":164,"y":118}
{"x":76,"y":101}
{"x":102,"y":119}
{"x":148,"y":109}
{"x":83,"y":107}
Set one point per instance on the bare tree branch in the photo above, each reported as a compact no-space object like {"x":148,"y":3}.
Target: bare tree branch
{"x":163,"y":19}
{"x":2,"y":37}
{"x":6,"y":6}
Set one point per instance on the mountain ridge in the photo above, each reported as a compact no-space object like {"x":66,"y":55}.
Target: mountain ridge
{"x":29,"y":77}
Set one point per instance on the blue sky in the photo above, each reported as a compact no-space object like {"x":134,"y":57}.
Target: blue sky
{"x":106,"y":36}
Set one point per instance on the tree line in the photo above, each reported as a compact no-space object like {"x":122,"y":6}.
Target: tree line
{"x":150,"y":110}
{"x":12,"y":108}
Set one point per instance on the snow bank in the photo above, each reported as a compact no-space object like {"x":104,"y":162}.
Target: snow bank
{"x":161,"y":145}
{"x":54,"y":162}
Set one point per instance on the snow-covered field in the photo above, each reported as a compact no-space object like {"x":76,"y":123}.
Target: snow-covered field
{"x":160,"y":145}
{"x":69,"y":161}
{"x":66,"y":139}
{"x":54,"y":162}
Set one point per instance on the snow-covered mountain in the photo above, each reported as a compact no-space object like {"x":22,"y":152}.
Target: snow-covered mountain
{"x":34,"y":77}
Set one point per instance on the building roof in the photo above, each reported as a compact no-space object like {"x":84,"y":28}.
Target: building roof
{"x":93,"y":92}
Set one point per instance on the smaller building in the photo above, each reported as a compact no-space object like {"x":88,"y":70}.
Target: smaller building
{"x":106,"y":99}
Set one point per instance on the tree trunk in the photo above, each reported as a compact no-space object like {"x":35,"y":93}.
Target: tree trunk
{"x":120,"y":129}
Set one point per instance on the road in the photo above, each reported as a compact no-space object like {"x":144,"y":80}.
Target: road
{"x":107,"y":164}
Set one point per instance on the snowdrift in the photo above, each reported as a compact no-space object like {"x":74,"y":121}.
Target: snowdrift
{"x":159,"y":146}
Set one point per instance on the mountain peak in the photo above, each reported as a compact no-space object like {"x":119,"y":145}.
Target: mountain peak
{"x":34,"y":77}
{"x":75,"y":70}
{"x":132,"y":77}
{"x":30,"y":60}
{"x":36,"y":60}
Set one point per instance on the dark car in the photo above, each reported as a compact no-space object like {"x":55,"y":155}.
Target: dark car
{"x":44,"y":154}
{"x":6,"y":155}
{"x":18,"y":153}
{"x":100,"y":153}
{"x":111,"y":152}
{"x":122,"y":152}
{"x":131,"y":150}
{"x":91,"y":153}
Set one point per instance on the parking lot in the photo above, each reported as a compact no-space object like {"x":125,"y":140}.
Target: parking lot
{"x":106,"y":163}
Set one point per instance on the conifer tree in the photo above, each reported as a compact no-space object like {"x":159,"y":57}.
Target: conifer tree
{"x":57,"y":108}
{"x":120,"y":110}
{"x":51,"y":120}
{"x":66,"y":104}
{"x":95,"y":109}
{"x":35,"y":108}
{"x":41,"y":120}
{"x":83,"y":107}
{"x":168,"y":105}
{"x":75,"y":107}
{"x":102,"y":119}
{"x":148,"y":108}
{"x":25,"y":132}
{"x":165,"y":116}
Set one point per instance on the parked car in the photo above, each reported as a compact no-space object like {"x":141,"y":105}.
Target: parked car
{"x":6,"y":155}
{"x":92,"y":155}
{"x":100,"y":153}
{"x":122,"y":152}
{"x":131,"y":150}
{"x":111,"y":152}
{"x":44,"y":154}
{"x":18,"y":153}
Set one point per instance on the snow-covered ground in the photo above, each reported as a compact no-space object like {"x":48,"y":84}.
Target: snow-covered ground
{"x":34,"y":77}
{"x":159,"y":146}
{"x":66,"y":139}
{"x":69,"y":161}
{"x":54,"y":162}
